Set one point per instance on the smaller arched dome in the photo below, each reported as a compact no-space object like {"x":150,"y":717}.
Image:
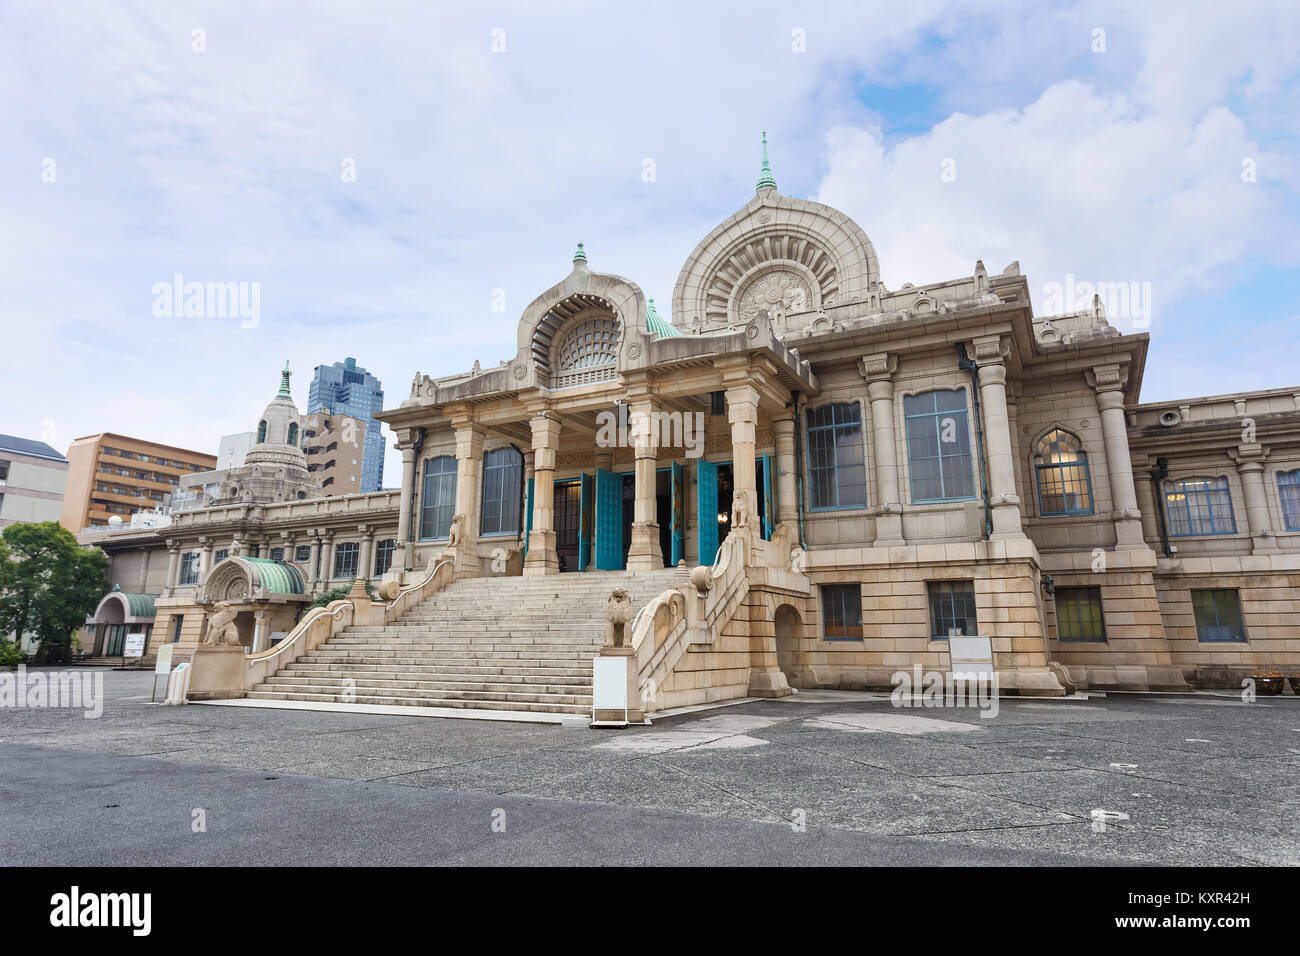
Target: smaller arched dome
{"x":278,"y":431}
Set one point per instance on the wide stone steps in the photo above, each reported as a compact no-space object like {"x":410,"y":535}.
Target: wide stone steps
{"x":516,"y":644}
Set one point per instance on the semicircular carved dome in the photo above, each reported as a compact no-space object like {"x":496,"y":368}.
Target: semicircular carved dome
{"x":785,"y":255}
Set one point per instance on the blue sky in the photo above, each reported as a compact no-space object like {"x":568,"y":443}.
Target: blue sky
{"x":477,"y":169}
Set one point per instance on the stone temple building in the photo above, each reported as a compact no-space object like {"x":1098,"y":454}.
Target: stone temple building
{"x":805,"y":479}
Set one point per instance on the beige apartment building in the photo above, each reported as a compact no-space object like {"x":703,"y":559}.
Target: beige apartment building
{"x":115,"y":476}
{"x":33,"y":477}
{"x":335,"y":447}
{"x":805,"y":479}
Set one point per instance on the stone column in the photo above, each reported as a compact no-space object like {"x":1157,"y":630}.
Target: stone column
{"x":787,"y":490}
{"x":742,"y":413}
{"x":1148,"y":498}
{"x":402,"y":557}
{"x":542,"y":558}
{"x":987,"y":353}
{"x":644,"y":553}
{"x":469,"y":470}
{"x":878,"y":371}
{"x":205,"y":560}
{"x":173,"y":566}
{"x":1109,"y":381}
{"x":327,"y":559}
{"x":261,"y":635}
{"x":1250,"y":467}
{"x":316,"y":544}
{"x":364,"y":570}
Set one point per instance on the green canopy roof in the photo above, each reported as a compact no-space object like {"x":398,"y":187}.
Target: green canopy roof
{"x":277,"y":577}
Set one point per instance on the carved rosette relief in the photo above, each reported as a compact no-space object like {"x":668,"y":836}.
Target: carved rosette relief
{"x":781,"y":293}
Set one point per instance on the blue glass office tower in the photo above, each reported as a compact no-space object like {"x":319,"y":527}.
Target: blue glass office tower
{"x":347,"y":389}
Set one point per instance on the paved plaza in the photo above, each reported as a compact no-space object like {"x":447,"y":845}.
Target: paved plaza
{"x":822,"y":777}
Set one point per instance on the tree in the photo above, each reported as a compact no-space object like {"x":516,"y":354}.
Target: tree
{"x":48,"y":585}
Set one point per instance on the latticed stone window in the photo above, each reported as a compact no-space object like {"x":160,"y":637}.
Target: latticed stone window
{"x":588,"y":352}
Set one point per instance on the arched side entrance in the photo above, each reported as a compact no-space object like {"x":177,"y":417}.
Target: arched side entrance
{"x":119,"y":613}
{"x":789,"y":643}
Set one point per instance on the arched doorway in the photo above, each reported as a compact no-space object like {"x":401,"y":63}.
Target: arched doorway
{"x":789,"y":637}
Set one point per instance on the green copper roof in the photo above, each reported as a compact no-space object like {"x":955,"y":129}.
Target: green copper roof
{"x":141,"y":605}
{"x":276,"y":577}
{"x":284,"y":382}
{"x":579,"y":256}
{"x":655,"y":324}
{"x":765,"y":180}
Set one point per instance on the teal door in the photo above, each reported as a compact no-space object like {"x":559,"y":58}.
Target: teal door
{"x":609,"y":521}
{"x":706,"y":500}
{"x":767,"y":497}
{"x":678,"y":528}
{"x":584,"y":523}
{"x":528,"y":516}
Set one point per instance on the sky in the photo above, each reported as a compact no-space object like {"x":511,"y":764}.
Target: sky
{"x":397,"y":181}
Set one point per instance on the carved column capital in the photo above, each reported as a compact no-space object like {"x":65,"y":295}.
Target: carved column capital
{"x":878,"y":367}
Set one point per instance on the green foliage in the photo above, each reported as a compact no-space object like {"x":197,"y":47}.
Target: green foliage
{"x":340,"y":592}
{"x":48,"y":585}
{"x":11,"y":654}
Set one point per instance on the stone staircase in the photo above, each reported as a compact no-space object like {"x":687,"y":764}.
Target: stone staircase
{"x":513,"y":643}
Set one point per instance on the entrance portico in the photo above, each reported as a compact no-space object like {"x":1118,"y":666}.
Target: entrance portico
{"x":618,"y":414}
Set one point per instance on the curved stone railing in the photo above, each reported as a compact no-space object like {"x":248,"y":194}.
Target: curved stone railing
{"x":684,"y":615}
{"x":413,"y":594}
{"x":317,"y":627}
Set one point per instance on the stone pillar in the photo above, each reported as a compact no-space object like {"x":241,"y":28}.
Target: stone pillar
{"x":364,"y":569}
{"x":327,"y":559}
{"x":1250,"y":467}
{"x":316,"y":545}
{"x":542,"y":558}
{"x":261,"y":635}
{"x":1148,"y":497}
{"x":878,"y":371}
{"x":469,"y":471}
{"x":1109,"y":381}
{"x":742,"y":413}
{"x":644,"y":553}
{"x":173,"y":566}
{"x":403,"y":556}
{"x":987,"y":353}
{"x":205,"y":559}
{"x":787,"y":490}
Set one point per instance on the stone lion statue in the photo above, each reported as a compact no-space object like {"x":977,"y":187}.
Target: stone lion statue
{"x":739,"y":512}
{"x":618,"y":612}
{"x":456,"y":533}
{"x":221,"y":630}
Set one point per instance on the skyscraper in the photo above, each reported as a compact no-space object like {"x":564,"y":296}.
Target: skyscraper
{"x":345,"y":388}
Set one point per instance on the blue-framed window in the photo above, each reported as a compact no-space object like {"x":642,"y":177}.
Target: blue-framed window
{"x":261,"y":432}
{"x":1079,"y":615}
{"x":503,"y":476}
{"x":302,"y":554}
{"x":837,"y":471}
{"x":220,"y":556}
{"x":1196,"y":506}
{"x":438,"y":497}
{"x":938,"y":446}
{"x":345,"y":559}
{"x":293,"y":433}
{"x":384,"y":555}
{"x":1288,"y":488}
{"x":1061,"y":473}
{"x":189,"y":568}
{"x":842,"y":612}
{"x":1218,"y":615}
{"x":177,"y":622}
{"x":952,"y":608}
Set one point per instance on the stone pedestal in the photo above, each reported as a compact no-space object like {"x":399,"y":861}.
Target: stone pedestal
{"x":217,"y":672}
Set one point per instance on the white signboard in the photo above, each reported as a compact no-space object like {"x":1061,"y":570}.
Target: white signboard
{"x":134,"y":645}
{"x":609,"y":685}
{"x":163,"y":664}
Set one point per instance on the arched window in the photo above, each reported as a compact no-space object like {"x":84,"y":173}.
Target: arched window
{"x":293,"y":433}
{"x":588,"y":344}
{"x":438,"y":497}
{"x":1196,"y":506}
{"x":1288,"y":487}
{"x":938,"y":446}
{"x":261,"y":432}
{"x":503,"y":475}
{"x":1061,"y":470}
{"x":837,"y":475}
